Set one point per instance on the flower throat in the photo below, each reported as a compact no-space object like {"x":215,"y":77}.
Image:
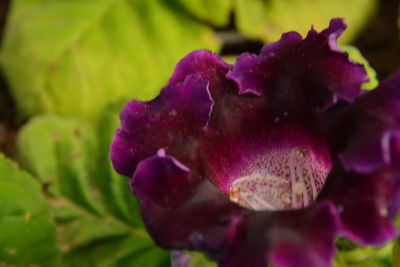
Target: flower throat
{"x":283,"y":179}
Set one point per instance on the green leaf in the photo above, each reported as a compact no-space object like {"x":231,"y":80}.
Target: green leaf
{"x":352,"y":255}
{"x":215,"y":12}
{"x":199,"y":260}
{"x":28,"y":236}
{"x":396,"y":253}
{"x":72,"y":58}
{"x":230,"y":59}
{"x":268,"y":19}
{"x":97,"y":216}
{"x":356,"y":56}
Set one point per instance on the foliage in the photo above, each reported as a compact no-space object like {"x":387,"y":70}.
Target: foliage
{"x":215,"y":12}
{"x":28,"y":236}
{"x":97,"y":217}
{"x":73,"y":57}
{"x":199,"y":260}
{"x":268,"y":19}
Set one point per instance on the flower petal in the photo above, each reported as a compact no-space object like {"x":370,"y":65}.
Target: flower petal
{"x":308,"y":74}
{"x":314,"y":243}
{"x":288,"y":239}
{"x":367,"y":203}
{"x":206,"y":65}
{"x":183,"y":211}
{"x":173,"y":120}
{"x":370,"y":129}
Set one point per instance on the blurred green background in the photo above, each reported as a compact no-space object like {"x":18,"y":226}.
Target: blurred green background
{"x":67,"y":69}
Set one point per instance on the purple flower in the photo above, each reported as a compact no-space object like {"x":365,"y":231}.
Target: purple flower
{"x":268,"y":160}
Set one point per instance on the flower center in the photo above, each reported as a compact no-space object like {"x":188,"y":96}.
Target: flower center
{"x":284,"y":179}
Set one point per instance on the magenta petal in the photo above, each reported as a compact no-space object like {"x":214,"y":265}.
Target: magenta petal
{"x":395,"y":148}
{"x":267,"y":147}
{"x":308,"y":74}
{"x":367,"y":203}
{"x":314,"y":244}
{"x":173,"y":120}
{"x":182,"y":211}
{"x":366,"y":137}
{"x":370,"y":129}
{"x":206,"y":65}
{"x":288,"y":239}
{"x":251,"y":71}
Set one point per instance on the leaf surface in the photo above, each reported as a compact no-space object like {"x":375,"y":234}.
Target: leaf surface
{"x":27,"y":235}
{"x":72,"y":58}
{"x":97,"y":216}
{"x":214,"y":11}
{"x":266,"y":20}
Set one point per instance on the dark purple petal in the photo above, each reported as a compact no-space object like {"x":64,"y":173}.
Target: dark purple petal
{"x":319,"y":226}
{"x":173,"y":120}
{"x":288,"y":239}
{"x":395,"y":148}
{"x":367,"y":133}
{"x":296,"y":74}
{"x":367,"y":203}
{"x":182,"y":211}
{"x":366,"y":190}
{"x":206,"y":65}
{"x":251,"y":71}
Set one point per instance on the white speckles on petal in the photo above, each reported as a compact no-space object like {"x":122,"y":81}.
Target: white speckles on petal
{"x":383,"y":212}
{"x":283,"y":179}
{"x":172,"y":112}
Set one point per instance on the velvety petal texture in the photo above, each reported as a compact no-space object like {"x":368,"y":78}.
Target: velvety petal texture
{"x":203,"y":64}
{"x":309,"y":74}
{"x":365,"y":184}
{"x":195,"y":212}
{"x":374,"y":142}
{"x":367,"y":203}
{"x":297,"y":238}
{"x":185,"y":212}
{"x":173,"y":120}
{"x":268,"y":160}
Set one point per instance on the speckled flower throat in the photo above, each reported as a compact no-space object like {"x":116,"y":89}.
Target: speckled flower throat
{"x":282,"y":179}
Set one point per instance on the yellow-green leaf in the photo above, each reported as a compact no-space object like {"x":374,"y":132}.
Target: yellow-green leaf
{"x":268,"y":19}
{"x":215,"y":11}
{"x":97,"y":216}
{"x":74,"y":57}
